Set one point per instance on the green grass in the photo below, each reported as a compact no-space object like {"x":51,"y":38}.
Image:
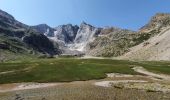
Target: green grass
{"x":69,"y":69}
{"x":157,"y":67}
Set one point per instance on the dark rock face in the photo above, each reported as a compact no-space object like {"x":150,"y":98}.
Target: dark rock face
{"x":40,"y":42}
{"x":4,"y":46}
{"x":66,"y":33}
{"x":12,"y":33}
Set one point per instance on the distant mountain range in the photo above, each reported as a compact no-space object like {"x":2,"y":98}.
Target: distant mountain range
{"x":151,"y":42}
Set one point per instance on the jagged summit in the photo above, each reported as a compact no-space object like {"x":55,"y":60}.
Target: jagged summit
{"x":45,"y":29}
{"x":83,"y":23}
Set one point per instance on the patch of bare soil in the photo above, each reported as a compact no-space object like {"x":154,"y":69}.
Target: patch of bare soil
{"x":142,"y":84}
{"x":24,"y":86}
{"x":109,"y":83}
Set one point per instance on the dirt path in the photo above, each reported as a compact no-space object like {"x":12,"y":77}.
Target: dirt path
{"x":141,"y":84}
{"x":148,"y":73}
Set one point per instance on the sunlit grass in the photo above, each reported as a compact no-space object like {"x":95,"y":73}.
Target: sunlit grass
{"x":70,"y":69}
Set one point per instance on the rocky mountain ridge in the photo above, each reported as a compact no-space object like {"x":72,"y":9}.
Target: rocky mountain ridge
{"x":73,"y":37}
{"x":17,"y":38}
{"x":109,"y":41}
{"x":156,"y":47}
{"x":152,"y":39}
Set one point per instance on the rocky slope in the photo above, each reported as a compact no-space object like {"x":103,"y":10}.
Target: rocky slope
{"x":45,"y":29}
{"x":160,"y":20}
{"x":111,"y":42}
{"x":157,"y":47}
{"x":16,"y":37}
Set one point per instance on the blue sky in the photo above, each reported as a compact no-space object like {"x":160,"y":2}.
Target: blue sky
{"x":129,"y":14}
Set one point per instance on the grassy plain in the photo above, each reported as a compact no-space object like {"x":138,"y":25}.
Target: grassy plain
{"x":70,"y":69}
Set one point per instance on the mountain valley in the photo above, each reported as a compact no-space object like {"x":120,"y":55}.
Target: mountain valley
{"x":151,"y":42}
